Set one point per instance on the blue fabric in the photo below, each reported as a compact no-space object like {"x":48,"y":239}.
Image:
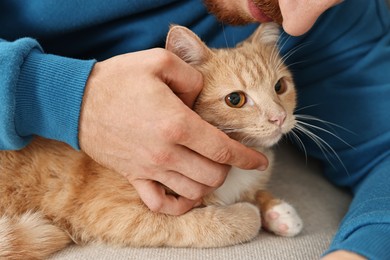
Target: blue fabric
{"x":11,"y":58}
{"x":341,"y":68}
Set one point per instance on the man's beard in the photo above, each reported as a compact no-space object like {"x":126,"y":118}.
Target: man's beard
{"x":235,"y":17}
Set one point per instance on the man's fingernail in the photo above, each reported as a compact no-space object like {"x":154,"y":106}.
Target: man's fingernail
{"x":262,"y":168}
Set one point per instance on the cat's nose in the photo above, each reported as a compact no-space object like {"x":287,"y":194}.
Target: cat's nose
{"x":277,"y":119}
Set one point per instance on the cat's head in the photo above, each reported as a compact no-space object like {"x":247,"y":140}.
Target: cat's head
{"x":248,"y":92}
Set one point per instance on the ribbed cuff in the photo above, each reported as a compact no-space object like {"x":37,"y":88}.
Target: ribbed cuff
{"x":49,"y":96}
{"x":371,"y":241}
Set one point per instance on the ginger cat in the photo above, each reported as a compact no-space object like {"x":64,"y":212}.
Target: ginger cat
{"x":51,"y":195}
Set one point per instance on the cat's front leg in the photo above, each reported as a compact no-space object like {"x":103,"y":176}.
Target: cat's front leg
{"x":277,"y":215}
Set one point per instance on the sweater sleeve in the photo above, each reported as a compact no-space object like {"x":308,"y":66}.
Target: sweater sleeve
{"x":41,"y":94}
{"x":366,"y":227}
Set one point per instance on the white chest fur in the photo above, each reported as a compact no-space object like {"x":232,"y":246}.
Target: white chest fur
{"x":240,"y":181}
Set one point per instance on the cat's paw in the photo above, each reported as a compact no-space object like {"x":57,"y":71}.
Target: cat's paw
{"x":283,"y":220}
{"x":245,"y":217}
{"x":224,"y":225}
{"x":240,"y":222}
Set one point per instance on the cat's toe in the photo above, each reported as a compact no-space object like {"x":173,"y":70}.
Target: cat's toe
{"x":283,"y":220}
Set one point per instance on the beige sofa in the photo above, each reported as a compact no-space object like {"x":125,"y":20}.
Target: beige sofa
{"x":320,"y":204}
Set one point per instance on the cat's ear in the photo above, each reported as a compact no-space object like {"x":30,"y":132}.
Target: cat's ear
{"x":266,"y":33}
{"x":187,"y":45}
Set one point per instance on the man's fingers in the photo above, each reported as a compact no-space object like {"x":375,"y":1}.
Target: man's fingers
{"x":183,"y":185}
{"x":192,"y":165}
{"x":217,"y":146}
{"x":156,"y":199}
{"x":184,"y":80}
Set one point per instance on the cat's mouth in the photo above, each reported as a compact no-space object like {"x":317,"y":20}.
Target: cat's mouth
{"x":252,"y":139}
{"x":261,"y":136}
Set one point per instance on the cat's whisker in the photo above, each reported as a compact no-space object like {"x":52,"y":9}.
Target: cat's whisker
{"x":295,"y":63}
{"x":247,"y":139}
{"x":305,"y":107}
{"x":274,"y":54}
{"x":290,"y":53}
{"x":228,"y":128}
{"x":275,"y":50}
{"x":325,"y":147}
{"x":313,"y":137}
{"x":224,"y":128}
{"x":327,"y":123}
{"x":224,"y":35}
{"x":231,"y":131}
{"x":299,"y":141}
{"x":326,"y":131}
{"x":281,"y":45}
{"x":294,"y":50}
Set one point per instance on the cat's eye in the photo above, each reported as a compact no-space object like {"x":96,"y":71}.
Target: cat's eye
{"x":236,"y":99}
{"x":280,"y":87}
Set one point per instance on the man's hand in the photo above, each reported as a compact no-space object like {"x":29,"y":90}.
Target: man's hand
{"x":137,"y":120}
{"x":343,"y":255}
